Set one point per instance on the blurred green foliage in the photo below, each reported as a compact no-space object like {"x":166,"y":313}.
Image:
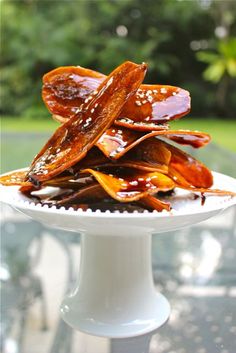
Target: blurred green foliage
{"x":39,"y":35}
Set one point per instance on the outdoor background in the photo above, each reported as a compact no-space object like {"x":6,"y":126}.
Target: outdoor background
{"x":191,"y":44}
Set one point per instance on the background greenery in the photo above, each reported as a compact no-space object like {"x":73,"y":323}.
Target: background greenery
{"x":189,"y":43}
{"x":39,"y":35}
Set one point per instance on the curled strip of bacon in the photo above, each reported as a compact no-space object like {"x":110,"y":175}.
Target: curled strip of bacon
{"x":153,"y":203}
{"x":132,"y":187}
{"x":116,"y":142}
{"x":192,"y":170}
{"x":139,"y":158}
{"x":73,"y":140}
{"x":93,"y":196}
{"x":15,"y":178}
{"x":66,"y":88}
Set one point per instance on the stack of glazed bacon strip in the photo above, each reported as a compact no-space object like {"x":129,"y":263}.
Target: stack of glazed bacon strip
{"x":107,"y":152}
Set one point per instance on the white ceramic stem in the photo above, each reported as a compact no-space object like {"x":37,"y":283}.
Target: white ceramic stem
{"x":115,"y":294}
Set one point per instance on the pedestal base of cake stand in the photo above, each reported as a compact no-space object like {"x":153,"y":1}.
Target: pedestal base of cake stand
{"x":115,"y":294}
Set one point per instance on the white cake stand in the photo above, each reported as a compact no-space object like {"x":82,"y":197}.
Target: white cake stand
{"x":115,"y":294}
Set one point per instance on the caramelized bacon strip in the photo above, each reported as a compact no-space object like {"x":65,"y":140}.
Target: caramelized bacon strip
{"x":75,"y":138}
{"x":157,"y":104}
{"x":152,"y":203}
{"x":132,"y":187}
{"x":154,"y":150}
{"x":65,"y":89}
{"x":193,"y":171}
{"x":94,"y":195}
{"x":86,"y":194}
{"x":182,"y":183}
{"x":140,"y":158}
{"x":115,"y":142}
{"x":15,"y":178}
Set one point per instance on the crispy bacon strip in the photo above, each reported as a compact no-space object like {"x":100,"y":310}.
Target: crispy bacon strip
{"x":75,"y":138}
{"x":65,"y":89}
{"x":15,"y":178}
{"x":182,"y":183}
{"x":93,"y":195}
{"x":152,"y":203}
{"x":193,"y":171}
{"x":140,"y":158}
{"x":115,"y":142}
{"x":86,"y":194}
{"x":132,"y":187}
{"x":158,"y":104}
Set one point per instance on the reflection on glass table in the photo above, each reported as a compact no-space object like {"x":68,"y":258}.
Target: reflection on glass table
{"x":194,"y":268}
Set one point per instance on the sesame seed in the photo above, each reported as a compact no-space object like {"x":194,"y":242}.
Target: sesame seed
{"x":92,"y":110}
{"x":140,"y":95}
{"x":155,"y":91}
{"x":133,"y":183}
{"x":144,"y":102}
{"x":138,"y":103}
{"x":174,"y":93}
{"x":163,"y":90}
{"x":140,"y":179}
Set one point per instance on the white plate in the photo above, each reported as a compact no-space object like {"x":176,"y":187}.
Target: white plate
{"x":186,"y":211}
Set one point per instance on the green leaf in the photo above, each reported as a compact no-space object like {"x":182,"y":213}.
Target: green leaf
{"x":227,"y":48}
{"x":215,"y":71}
{"x":207,"y":57}
{"x":231,"y":67}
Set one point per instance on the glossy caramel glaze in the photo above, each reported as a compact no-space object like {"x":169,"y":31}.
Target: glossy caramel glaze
{"x":127,"y":187}
{"x":14,"y":178}
{"x":153,"y":203}
{"x":116,"y":142}
{"x":149,"y":156}
{"x":65,"y":88}
{"x":192,"y":170}
{"x":86,"y":194}
{"x":72,"y":140}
